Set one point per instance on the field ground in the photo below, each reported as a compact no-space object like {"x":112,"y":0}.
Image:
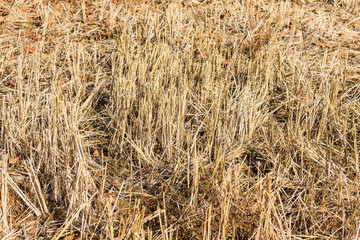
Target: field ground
{"x":180,"y":120}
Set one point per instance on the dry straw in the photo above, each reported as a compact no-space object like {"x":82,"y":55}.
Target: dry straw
{"x":179,"y":120}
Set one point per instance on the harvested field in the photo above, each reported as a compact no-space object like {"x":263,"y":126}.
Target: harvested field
{"x":191,"y":119}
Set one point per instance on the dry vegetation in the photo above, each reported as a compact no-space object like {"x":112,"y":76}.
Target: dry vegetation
{"x":179,"y":120}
